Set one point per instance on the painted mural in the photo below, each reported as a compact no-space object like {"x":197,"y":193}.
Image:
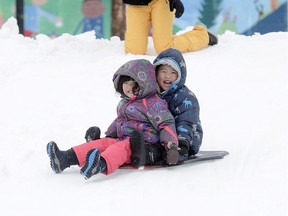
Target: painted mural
{"x":54,"y":18}
{"x":92,"y":11}
{"x":243,"y":17}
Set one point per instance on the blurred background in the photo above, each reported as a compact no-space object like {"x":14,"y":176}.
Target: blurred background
{"x":107,"y":17}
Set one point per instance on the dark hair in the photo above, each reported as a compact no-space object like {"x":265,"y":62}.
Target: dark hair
{"x":122,"y":80}
{"x":157,"y":68}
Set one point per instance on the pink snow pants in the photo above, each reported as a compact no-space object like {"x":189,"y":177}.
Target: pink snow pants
{"x":115,"y":153}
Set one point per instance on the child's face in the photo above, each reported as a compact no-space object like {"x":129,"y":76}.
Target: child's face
{"x":166,"y":75}
{"x":128,"y":89}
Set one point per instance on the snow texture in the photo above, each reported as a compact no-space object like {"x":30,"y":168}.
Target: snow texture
{"x":55,"y":89}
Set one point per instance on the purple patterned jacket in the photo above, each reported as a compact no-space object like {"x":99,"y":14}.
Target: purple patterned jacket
{"x":147,"y":112}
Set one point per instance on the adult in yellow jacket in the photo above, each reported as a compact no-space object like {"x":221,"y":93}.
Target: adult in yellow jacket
{"x":141,"y":15}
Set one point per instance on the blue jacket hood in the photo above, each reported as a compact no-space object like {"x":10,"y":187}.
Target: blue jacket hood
{"x":176,"y":59}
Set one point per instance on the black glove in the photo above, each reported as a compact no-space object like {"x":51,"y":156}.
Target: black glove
{"x":176,"y":4}
{"x":93,"y":133}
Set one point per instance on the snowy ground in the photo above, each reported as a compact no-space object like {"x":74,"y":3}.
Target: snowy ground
{"x":56,"y":89}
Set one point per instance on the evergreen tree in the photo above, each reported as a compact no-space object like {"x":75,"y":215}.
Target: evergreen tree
{"x":209,"y":12}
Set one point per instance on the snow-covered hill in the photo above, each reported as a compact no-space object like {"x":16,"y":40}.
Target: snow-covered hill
{"x":56,"y":89}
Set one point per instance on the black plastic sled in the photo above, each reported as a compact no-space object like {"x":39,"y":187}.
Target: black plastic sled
{"x":201,"y":156}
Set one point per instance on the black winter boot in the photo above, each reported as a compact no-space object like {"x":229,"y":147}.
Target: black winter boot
{"x":60,"y":160}
{"x":154,"y":153}
{"x":94,"y":164}
{"x":213,"y":38}
{"x":145,"y":153}
{"x":137,"y":145}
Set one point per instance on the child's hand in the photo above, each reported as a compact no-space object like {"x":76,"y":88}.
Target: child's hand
{"x":176,"y":4}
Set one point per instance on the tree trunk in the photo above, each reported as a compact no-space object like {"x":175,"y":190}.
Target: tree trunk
{"x":118,"y":19}
{"x":20,"y":15}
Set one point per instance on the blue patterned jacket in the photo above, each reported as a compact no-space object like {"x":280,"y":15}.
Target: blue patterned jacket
{"x":182,"y":103}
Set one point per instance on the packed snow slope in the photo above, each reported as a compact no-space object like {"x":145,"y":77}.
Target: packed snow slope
{"x":54,"y":89}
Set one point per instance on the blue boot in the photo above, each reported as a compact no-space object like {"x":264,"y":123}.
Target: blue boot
{"x":94,"y":164}
{"x":60,"y":160}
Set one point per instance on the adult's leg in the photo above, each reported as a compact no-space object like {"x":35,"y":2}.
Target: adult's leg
{"x":193,"y":40}
{"x":162,"y":24}
{"x":138,"y":22}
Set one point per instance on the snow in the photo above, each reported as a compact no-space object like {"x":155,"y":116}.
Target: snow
{"x":54,"y":89}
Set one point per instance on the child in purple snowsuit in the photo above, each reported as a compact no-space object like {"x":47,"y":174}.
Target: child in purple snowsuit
{"x":139,"y":109}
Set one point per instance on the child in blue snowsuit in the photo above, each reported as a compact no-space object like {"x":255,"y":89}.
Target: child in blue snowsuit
{"x":171,"y":76}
